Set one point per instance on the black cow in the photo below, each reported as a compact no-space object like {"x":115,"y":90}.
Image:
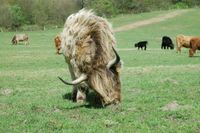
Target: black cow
{"x":141,"y":44}
{"x":167,"y":43}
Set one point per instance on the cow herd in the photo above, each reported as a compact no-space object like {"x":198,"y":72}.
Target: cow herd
{"x":88,"y":44}
{"x":191,"y":42}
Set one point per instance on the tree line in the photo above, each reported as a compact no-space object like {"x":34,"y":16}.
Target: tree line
{"x":111,"y":8}
{"x":37,"y":14}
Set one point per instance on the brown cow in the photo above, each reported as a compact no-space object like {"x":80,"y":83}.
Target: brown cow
{"x":182,"y":41}
{"x":57,"y":41}
{"x":87,"y":45}
{"x":194,"y":45}
{"x":20,"y":38}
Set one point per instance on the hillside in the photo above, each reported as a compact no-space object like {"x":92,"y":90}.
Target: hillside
{"x":160,"y":88}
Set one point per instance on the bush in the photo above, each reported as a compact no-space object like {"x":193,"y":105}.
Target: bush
{"x":5,"y":16}
{"x":18,"y":18}
{"x":30,"y":28}
{"x":103,"y":7}
{"x":180,"y":5}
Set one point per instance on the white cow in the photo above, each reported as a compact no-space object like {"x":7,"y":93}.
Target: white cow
{"x":20,"y":38}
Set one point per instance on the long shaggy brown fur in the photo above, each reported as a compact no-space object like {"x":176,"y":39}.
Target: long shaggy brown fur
{"x":87,"y":44}
{"x":57,"y":42}
{"x":182,"y":41}
{"x":194,"y":45}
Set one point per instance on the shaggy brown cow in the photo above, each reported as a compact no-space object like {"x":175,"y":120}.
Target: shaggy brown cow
{"x":182,"y":41}
{"x":194,"y":45}
{"x":87,"y":45}
{"x":20,"y":38}
{"x":57,"y":41}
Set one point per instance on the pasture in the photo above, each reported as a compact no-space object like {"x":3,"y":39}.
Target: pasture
{"x":160,"y":88}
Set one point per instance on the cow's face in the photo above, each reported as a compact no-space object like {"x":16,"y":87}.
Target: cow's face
{"x":102,"y":80}
{"x":113,"y":68}
{"x":136,"y":45}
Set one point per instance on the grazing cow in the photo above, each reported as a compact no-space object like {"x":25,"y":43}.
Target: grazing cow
{"x":167,"y":43}
{"x":194,"y":45}
{"x":57,"y":41}
{"x":141,"y":45}
{"x":87,"y":45}
{"x":182,"y":41}
{"x":20,"y":38}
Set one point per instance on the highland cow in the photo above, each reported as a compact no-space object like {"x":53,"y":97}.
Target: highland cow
{"x":88,"y":47}
{"x":141,"y":44}
{"x":182,"y":41}
{"x":194,"y":45}
{"x":20,"y":38}
{"x":167,"y":43}
{"x":57,"y":42}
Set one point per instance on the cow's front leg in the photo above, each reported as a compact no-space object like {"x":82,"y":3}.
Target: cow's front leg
{"x":79,"y":93}
{"x":191,"y":53}
{"x":178,"y":49}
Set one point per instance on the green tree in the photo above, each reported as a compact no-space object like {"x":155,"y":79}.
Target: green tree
{"x":103,"y":7}
{"x":5,"y":19}
{"x":17,"y":16}
{"x":27,"y":7}
{"x":39,"y":12}
{"x":59,"y":11}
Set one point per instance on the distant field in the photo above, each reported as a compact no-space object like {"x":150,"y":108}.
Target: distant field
{"x":186,"y":23}
{"x":131,"y":18}
{"x":32,"y":98}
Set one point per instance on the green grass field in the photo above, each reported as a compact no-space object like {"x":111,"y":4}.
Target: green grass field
{"x":32,"y":99}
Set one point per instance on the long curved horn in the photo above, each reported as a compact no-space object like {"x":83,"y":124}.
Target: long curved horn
{"x":114,"y":61}
{"x":82,"y":78}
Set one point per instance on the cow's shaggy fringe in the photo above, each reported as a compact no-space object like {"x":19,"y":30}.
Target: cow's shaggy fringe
{"x":87,"y":44}
{"x":83,"y":24}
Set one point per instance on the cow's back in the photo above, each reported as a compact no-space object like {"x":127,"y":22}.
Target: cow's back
{"x":182,"y":40}
{"x":21,"y":37}
{"x":195,"y":41}
{"x":166,"y":40}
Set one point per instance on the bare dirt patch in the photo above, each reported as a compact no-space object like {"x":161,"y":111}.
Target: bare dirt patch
{"x":135,"y":90}
{"x":172,"y":106}
{"x":6,"y":91}
{"x":169,"y":80}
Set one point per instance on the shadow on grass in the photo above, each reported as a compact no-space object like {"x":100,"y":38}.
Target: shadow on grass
{"x":195,"y":56}
{"x":92,"y":101}
{"x":67,"y":96}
